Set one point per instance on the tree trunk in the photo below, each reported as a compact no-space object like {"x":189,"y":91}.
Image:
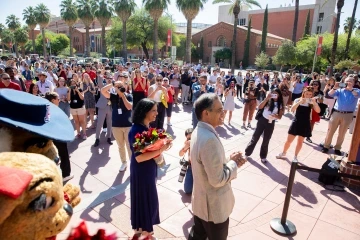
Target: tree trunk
{"x":296,"y":18}
{"x":143,"y":45}
{"x":124,"y":50}
{"x":23,"y":50}
{"x":155,"y":48}
{"x":16,"y":50}
{"x":87,"y":42}
{"x":71,"y":41}
{"x":233,"y":47}
{"x":334,"y":47}
{"x":43,"y":40}
{"x":352,"y":22}
{"x":33,"y":40}
{"x":103,"y":42}
{"x":3,"y":47}
{"x":188,"y":41}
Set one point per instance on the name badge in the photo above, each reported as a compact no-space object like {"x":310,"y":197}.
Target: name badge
{"x":74,"y":101}
{"x":119,"y":111}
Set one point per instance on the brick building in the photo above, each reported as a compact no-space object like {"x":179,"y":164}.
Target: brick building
{"x":281,"y":20}
{"x":220,"y":35}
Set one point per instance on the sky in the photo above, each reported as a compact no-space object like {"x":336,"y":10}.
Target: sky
{"x":208,"y":15}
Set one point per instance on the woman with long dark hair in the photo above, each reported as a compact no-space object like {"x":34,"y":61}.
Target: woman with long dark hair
{"x":319,"y":95}
{"x":143,"y":173}
{"x":34,"y":90}
{"x":300,"y":126}
{"x":271,"y":108}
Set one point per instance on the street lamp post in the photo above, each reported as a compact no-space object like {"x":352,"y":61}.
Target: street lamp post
{"x":171,"y":34}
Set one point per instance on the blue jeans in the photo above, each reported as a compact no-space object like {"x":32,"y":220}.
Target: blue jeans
{"x":194,"y":118}
{"x":188,"y":183}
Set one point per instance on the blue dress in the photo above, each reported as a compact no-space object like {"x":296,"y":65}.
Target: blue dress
{"x":143,"y":192}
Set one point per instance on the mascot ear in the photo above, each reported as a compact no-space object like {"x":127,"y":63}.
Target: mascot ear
{"x":13,"y":182}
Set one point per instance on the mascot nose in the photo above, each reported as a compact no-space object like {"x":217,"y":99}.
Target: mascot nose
{"x":68,"y":209}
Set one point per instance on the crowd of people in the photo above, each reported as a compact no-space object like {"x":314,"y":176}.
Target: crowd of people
{"x":139,"y":96}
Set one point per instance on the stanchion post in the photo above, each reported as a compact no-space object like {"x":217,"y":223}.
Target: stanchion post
{"x":281,"y":225}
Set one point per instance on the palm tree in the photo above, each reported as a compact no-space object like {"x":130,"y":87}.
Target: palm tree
{"x":86,"y":15}
{"x":103,"y":12}
{"x":30,"y":19}
{"x":2,"y":29}
{"x":339,"y":6}
{"x":156,"y":9}
{"x":351,"y":28}
{"x":42,"y":14}
{"x":348,"y":22}
{"x":235,"y":9}
{"x":296,"y":19}
{"x":190,"y":9}
{"x":68,"y":13}
{"x":124,"y":9}
{"x":21,"y":36}
{"x":7,"y":38}
{"x":13,"y":23}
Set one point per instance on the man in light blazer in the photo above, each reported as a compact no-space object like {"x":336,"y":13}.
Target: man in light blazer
{"x":212,"y":197}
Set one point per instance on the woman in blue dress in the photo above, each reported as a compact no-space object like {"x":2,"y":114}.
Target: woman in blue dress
{"x":143,"y":172}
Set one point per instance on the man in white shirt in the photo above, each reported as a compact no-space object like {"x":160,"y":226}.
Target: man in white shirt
{"x":51,"y":76}
{"x":44,"y":84}
{"x":144,"y":66}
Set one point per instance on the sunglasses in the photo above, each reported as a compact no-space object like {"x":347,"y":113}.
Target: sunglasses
{"x":315,"y":85}
{"x":5,"y":78}
{"x":159,"y":80}
{"x":165,"y":80}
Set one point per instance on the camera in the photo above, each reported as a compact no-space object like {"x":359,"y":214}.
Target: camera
{"x":185,"y":165}
{"x":122,"y":89}
{"x":72,"y":87}
{"x":342,"y":85}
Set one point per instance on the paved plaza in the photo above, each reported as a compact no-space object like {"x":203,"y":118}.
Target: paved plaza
{"x":259,"y":189}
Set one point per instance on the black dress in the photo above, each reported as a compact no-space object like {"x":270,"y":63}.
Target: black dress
{"x":300,"y":125}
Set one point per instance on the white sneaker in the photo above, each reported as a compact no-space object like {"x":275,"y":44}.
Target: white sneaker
{"x":281,"y":155}
{"x":295,"y":159}
{"x":65,"y":179}
{"x":123,"y":167}
{"x":169,"y":124}
{"x":104,"y":130}
{"x":264,"y":160}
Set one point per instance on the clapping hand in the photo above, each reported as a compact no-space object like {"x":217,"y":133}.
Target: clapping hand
{"x":238,"y":158}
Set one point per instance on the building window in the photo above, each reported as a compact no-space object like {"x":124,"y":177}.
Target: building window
{"x":318,"y":29}
{"x":56,"y":24}
{"x":242,"y":21}
{"x":221,"y":41}
{"x":209,"y":44}
{"x":321,"y":17}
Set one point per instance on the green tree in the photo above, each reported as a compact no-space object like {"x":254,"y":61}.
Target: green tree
{"x":307,"y":26}
{"x":86,"y":14}
{"x":247,"y":46}
{"x":2,"y":29}
{"x":352,"y":26}
{"x":181,"y":49}
{"x":156,"y":9}
{"x":264,"y":31}
{"x":224,"y":53}
{"x":103,"y":12}
{"x":124,"y":9}
{"x":21,"y":36}
{"x":30,"y":19}
{"x":7,"y":38}
{"x":13,"y":23}
{"x":345,"y":64}
{"x":261,"y":60}
{"x":296,"y":19}
{"x":59,"y":42}
{"x":235,"y":9}
{"x":190,"y":9}
{"x":42,"y":14}
{"x":68,"y":13}
{"x":339,"y":6}
{"x":348,"y":21}
{"x":285,"y":54}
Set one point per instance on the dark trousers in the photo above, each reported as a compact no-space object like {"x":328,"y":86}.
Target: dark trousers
{"x":263,"y":126}
{"x":159,"y":121}
{"x":202,"y":230}
{"x":137,"y":96}
{"x":238,"y":91}
{"x":64,"y":158}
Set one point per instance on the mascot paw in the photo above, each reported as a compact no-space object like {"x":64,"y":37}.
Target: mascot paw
{"x":72,"y":194}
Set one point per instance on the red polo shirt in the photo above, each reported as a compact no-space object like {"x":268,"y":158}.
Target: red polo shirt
{"x":92,"y":75}
{"x":12,"y":85}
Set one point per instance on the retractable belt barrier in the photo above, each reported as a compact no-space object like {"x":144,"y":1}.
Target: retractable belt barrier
{"x":282,"y":226}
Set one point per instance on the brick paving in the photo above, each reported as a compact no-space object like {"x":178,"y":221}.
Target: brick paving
{"x":259,"y":189}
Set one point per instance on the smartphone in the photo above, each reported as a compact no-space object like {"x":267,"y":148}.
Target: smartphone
{"x":308,"y":100}
{"x":342,"y":85}
{"x":72,"y":87}
{"x":273,"y":95}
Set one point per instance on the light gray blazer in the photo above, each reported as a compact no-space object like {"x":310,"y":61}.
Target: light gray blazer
{"x":212,"y":198}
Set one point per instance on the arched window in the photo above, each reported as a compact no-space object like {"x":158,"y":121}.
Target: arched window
{"x":221,"y":41}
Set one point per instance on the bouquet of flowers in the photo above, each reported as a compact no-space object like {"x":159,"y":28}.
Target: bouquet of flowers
{"x":152,"y":140}
{"x":81,"y":233}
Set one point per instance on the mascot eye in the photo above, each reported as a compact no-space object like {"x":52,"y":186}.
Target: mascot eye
{"x":41,"y":144}
{"x":41,"y":203}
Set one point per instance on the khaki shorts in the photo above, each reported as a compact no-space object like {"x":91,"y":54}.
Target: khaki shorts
{"x":78,"y":111}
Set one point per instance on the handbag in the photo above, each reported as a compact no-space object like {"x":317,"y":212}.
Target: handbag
{"x":259,"y":113}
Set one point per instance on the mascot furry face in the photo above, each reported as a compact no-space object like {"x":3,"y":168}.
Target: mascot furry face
{"x":34,"y":207}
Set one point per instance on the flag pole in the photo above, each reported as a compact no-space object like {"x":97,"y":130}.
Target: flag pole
{"x":315,"y":55}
